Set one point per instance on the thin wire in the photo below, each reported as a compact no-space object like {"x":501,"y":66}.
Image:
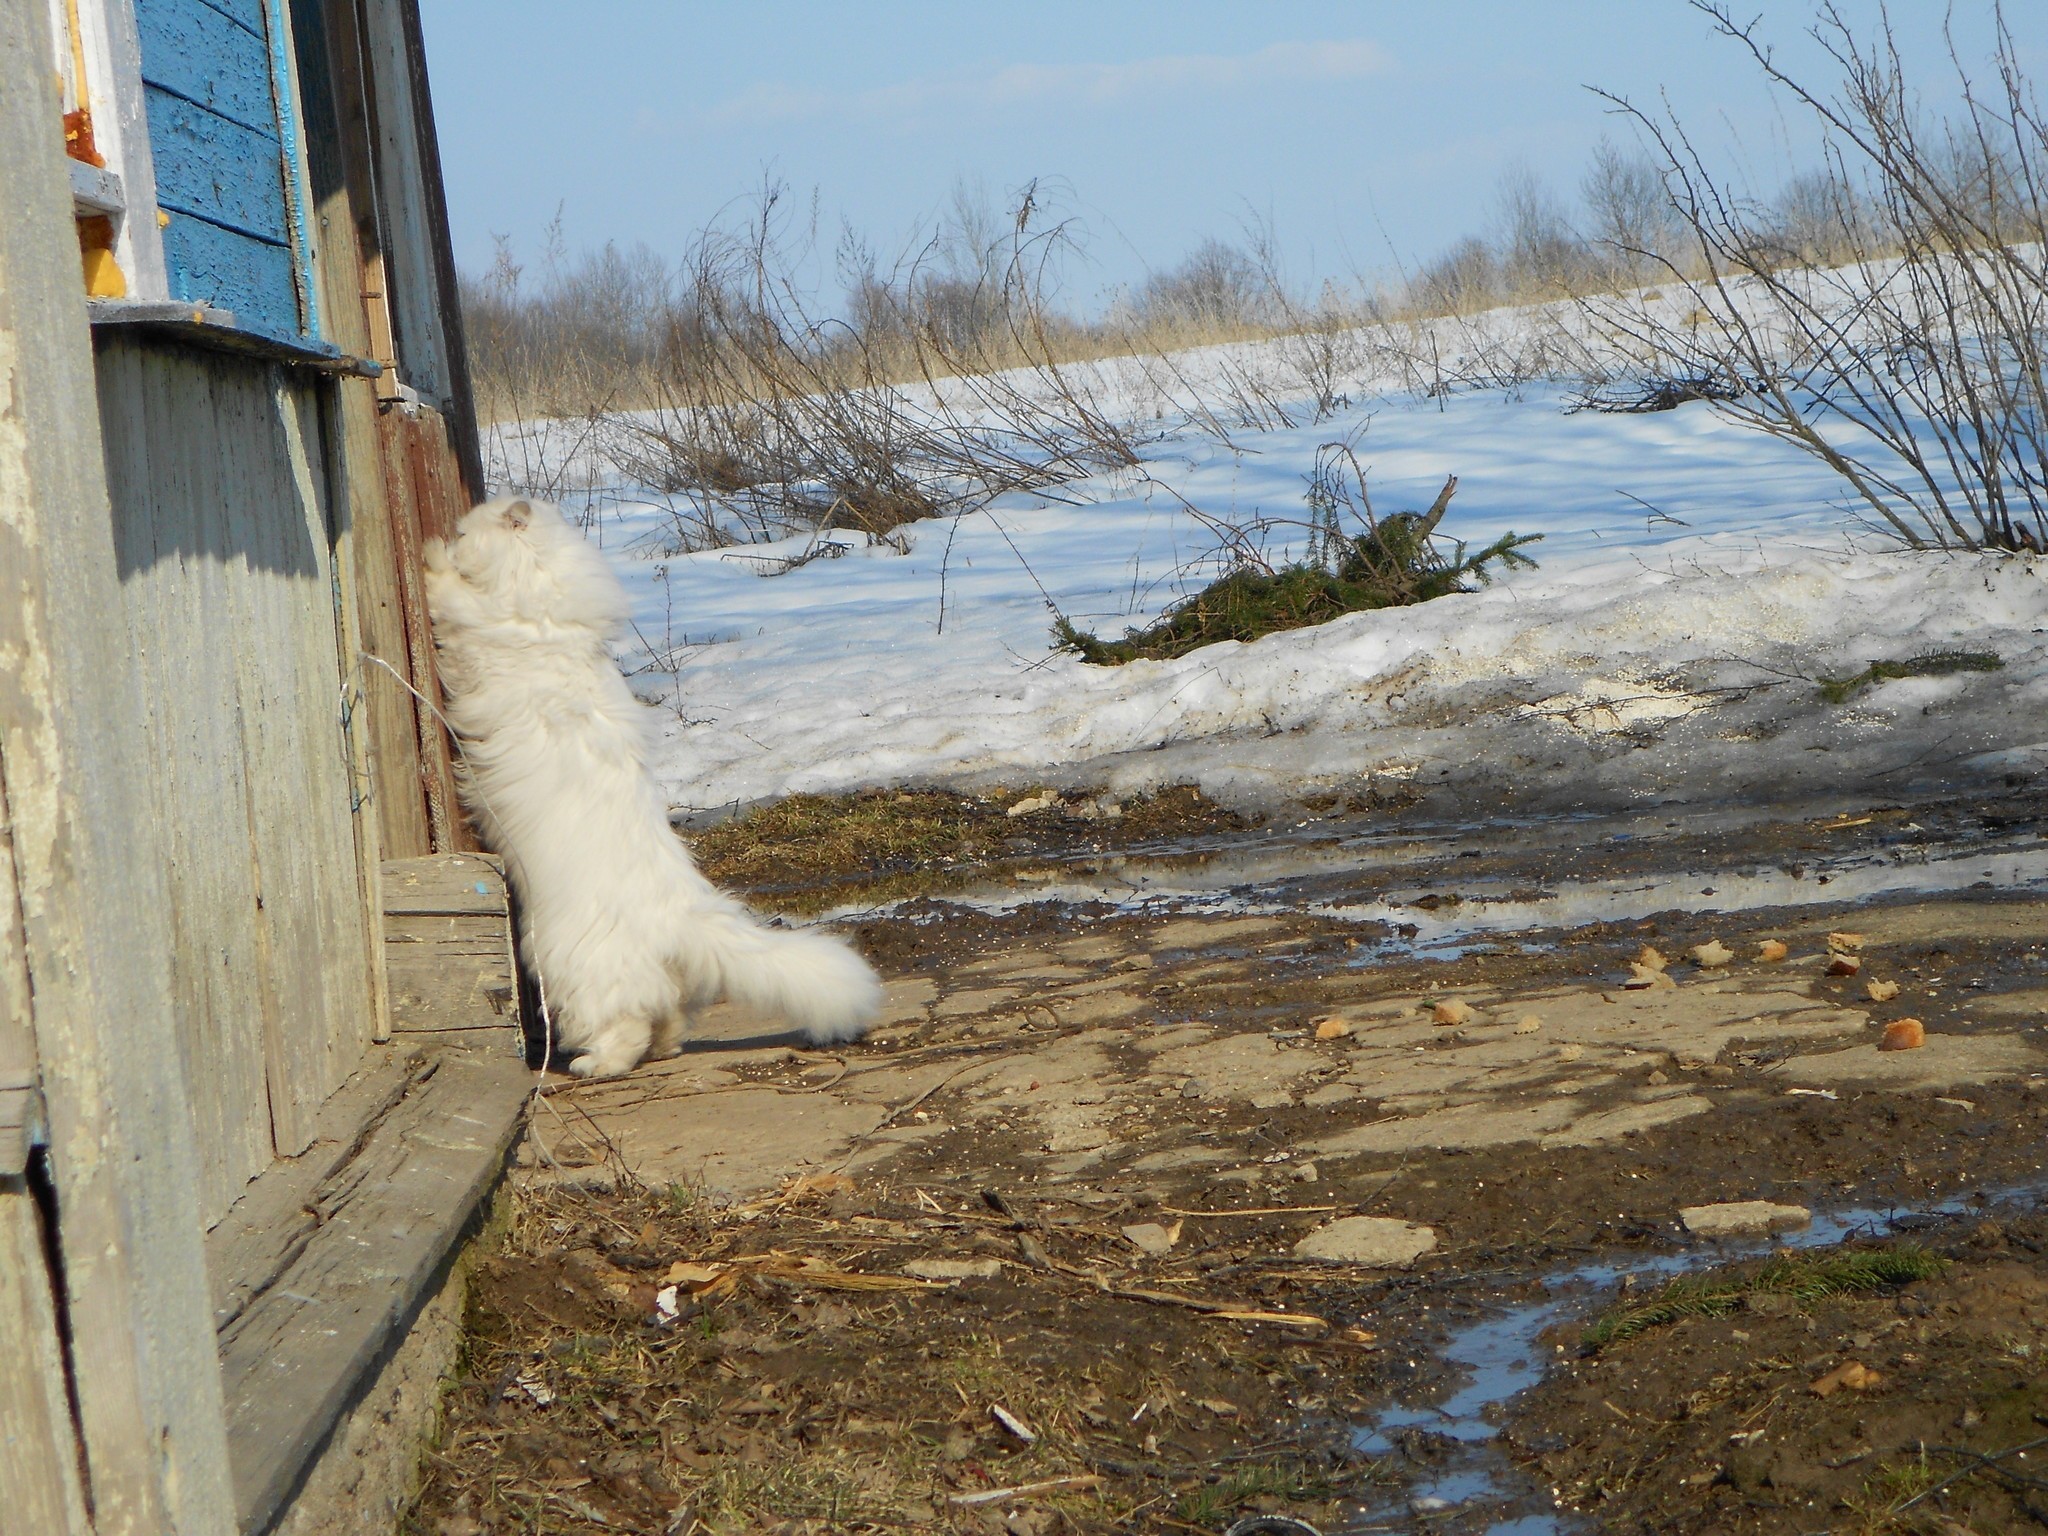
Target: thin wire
{"x":547,"y":1023}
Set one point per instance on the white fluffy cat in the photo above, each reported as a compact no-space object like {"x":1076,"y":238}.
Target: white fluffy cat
{"x":625,"y":935}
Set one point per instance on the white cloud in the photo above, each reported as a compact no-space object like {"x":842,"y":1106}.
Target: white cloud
{"x":1028,"y":84}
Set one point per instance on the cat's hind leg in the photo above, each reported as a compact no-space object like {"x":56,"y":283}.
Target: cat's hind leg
{"x":669,"y":1031}
{"x":616,"y":1049}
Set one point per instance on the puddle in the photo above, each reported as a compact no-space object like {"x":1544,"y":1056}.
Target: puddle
{"x":1376,"y":880}
{"x":1503,"y":1354}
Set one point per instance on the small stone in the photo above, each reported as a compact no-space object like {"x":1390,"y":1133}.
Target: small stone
{"x":1647,"y":978}
{"x":1651,"y":958}
{"x":1771,"y":951}
{"x":1712,"y":954}
{"x":1570,"y":1052}
{"x":1657,"y":1079}
{"x":1903,"y":1035}
{"x":1306,"y":1173}
{"x":1739,"y":1216}
{"x":1375,"y":1242}
{"x":1840,"y":964}
{"x":1332,"y":1028}
{"x":1193,"y":1088}
{"x":1528,"y":1024}
{"x":1452,"y":1012}
{"x":954,"y":1269}
{"x":1032,"y":803}
{"x":1150,"y":1237}
{"x":1881,"y":991}
{"x":1852,"y":1374}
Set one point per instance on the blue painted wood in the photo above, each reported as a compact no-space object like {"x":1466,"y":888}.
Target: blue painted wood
{"x":278,"y":26}
{"x":196,"y":52}
{"x":209,"y":264}
{"x":231,"y":175}
{"x":248,"y":12}
{"x":217,"y":87}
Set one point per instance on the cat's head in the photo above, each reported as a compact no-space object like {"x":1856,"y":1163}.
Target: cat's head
{"x":526,"y":563}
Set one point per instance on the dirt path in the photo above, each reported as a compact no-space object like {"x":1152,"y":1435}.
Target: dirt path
{"x":1165,"y":1214}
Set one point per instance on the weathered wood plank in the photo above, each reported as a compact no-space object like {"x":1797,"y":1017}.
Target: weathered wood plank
{"x":39,"y":1485}
{"x":268,"y":1227}
{"x":168,"y":424}
{"x":20,"y":1095}
{"x":89,"y":867}
{"x":417,"y":303}
{"x":458,"y":406}
{"x":216,"y":468}
{"x":409,"y":469}
{"x":321,"y":932}
{"x":343,"y":189}
{"x":446,"y":882}
{"x":448,"y":947}
{"x":295,"y":1358}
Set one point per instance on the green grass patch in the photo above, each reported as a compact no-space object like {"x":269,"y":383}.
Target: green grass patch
{"x":1840,"y":690}
{"x":1803,"y":1277}
{"x":1390,"y":562}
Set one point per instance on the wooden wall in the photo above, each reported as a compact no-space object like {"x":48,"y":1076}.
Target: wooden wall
{"x":408,"y":441}
{"x":218,"y":469}
{"x":87,"y":942}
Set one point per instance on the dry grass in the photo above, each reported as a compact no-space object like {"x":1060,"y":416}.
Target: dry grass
{"x":775,"y":1405}
{"x":810,"y":852}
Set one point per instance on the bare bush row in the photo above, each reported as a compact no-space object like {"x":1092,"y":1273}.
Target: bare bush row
{"x":1883,"y":312}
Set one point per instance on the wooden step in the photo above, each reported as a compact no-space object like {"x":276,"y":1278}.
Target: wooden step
{"x":448,"y":956}
{"x":320,"y":1268}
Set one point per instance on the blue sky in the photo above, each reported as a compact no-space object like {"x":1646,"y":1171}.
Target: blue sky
{"x":1361,"y":131}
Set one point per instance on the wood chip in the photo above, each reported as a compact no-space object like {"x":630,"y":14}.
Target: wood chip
{"x":1651,"y":958}
{"x":694,"y":1274}
{"x":1571,"y":1052}
{"x":1150,"y":1237}
{"x":1332,"y":1028}
{"x":1881,"y":991}
{"x":1528,"y":1024}
{"x":1013,"y":1424}
{"x":1712,"y":954}
{"x":998,"y":1495}
{"x":1903,"y":1035}
{"x":1771,"y":951}
{"x":1845,"y":941}
{"x":1643,"y":978}
{"x":1840,"y":964}
{"x":1852,"y":1374}
{"x":954,"y":1269}
{"x":1452,"y":1011}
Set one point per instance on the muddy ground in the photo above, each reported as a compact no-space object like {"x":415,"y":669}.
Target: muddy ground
{"x":1069,"y":1243}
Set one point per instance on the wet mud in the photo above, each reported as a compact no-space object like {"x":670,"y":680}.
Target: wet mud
{"x":1163,"y":1105}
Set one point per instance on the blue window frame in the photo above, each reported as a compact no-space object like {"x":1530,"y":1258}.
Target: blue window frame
{"x":217,"y":90}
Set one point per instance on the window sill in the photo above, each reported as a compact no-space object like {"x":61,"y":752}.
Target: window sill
{"x":202,"y":325}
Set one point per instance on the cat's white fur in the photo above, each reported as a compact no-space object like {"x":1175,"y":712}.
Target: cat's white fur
{"x":623,"y":932}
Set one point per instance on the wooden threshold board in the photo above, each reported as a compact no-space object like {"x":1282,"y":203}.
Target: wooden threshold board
{"x":448,"y":947}
{"x":323,"y":1264}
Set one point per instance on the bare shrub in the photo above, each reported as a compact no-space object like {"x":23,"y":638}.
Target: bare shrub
{"x":770,"y":415}
{"x":1885,"y":314}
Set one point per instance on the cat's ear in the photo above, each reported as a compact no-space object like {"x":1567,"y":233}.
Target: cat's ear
{"x":518,"y":515}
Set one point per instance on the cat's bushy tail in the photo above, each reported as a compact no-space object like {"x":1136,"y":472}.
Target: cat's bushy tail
{"x":812,"y":980}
